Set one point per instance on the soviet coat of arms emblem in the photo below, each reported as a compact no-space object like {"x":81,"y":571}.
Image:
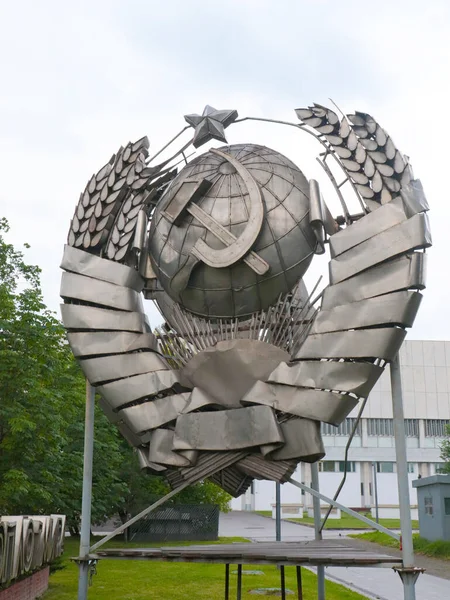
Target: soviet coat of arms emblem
{"x":248,"y":363}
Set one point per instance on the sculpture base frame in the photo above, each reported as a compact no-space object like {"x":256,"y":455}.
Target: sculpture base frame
{"x":327,"y":556}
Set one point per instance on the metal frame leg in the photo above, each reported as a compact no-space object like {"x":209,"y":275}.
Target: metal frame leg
{"x":239,"y":583}
{"x":283,"y":583}
{"x":227,"y":582}
{"x":409,"y":578}
{"x":408,"y":573}
{"x":299,"y":583}
{"x":86,"y":502}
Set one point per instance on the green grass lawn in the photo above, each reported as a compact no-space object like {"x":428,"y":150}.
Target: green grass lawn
{"x":141,"y":580}
{"x":345,"y":522}
{"x":438,"y":549}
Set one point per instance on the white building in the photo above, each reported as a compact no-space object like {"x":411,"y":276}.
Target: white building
{"x":425,"y":369}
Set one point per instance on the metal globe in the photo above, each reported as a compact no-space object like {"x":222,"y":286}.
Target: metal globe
{"x":285,"y":240}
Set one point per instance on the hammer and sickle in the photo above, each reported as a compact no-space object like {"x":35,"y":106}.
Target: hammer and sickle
{"x":181,"y":200}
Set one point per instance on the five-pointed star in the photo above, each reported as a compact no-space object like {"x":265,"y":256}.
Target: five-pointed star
{"x":211,"y":124}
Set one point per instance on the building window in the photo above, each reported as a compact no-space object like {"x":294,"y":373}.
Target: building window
{"x":439,"y":467}
{"x":411,"y":468}
{"x":385,"y":467}
{"x":411,"y":428}
{"x":345,"y":428}
{"x":447,"y":507}
{"x":436,"y":427}
{"x":327,"y":466}
{"x":381,"y":427}
{"x":385,"y":427}
{"x":428,"y":505}
{"x":351,"y":466}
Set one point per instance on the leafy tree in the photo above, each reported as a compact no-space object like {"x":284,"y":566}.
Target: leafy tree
{"x":42,"y":403}
{"x":42,"y":407}
{"x":204,"y":492}
{"x":31,"y":379}
{"x":445,"y":452}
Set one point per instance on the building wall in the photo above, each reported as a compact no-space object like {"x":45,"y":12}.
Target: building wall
{"x":425,"y":370}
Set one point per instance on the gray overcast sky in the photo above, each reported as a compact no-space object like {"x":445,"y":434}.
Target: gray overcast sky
{"x":79,"y":79}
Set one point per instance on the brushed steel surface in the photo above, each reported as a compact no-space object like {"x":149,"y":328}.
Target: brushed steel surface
{"x":102,"y":293}
{"x":109,"y":342}
{"x":161,"y":450}
{"x":320,"y":217}
{"x":362,"y":343}
{"x":318,"y":405}
{"x":145,"y":385}
{"x":401,"y":273}
{"x":354,"y":377}
{"x":90,"y":265}
{"x":227,"y":429}
{"x":228,"y":369}
{"x":409,"y":235}
{"x":154,"y":413}
{"x":302,"y":441}
{"x":78,"y":317}
{"x":199,"y":399}
{"x":144,"y":462}
{"x":117,"y":366}
{"x":372,"y":224}
{"x":413,"y":197}
{"x":398,"y":308}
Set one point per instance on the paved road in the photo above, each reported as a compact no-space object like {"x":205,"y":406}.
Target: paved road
{"x":374,"y":583}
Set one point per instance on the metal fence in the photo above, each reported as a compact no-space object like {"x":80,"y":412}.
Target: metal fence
{"x":177,"y":523}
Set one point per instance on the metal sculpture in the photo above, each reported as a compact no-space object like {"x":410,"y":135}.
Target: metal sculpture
{"x":235,"y":384}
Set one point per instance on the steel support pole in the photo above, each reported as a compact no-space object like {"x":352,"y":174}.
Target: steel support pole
{"x":86,"y":503}
{"x":375,"y":492}
{"x":299,"y":583}
{"x":283,"y":583}
{"x":317,"y":530}
{"x":227,"y":582}
{"x":239,"y":583}
{"x":278,"y":512}
{"x":407,"y":574}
